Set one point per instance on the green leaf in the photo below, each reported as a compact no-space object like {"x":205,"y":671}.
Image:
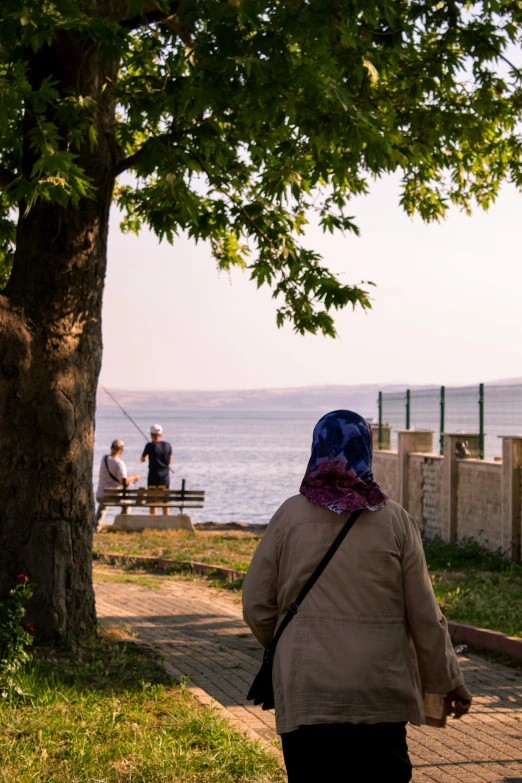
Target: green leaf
{"x":241,"y":121}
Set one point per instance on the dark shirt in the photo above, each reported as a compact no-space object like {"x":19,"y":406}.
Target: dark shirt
{"x":159,"y":453}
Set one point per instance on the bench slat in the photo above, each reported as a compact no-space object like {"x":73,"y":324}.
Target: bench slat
{"x":154,"y":497}
{"x":136,"y":493}
{"x":161,"y":505}
{"x":163,"y":489}
{"x":149,"y":498}
{"x":150,"y":501}
{"x":158,"y":505}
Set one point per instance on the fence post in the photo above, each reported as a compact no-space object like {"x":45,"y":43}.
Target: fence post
{"x":408,"y":442}
{"x":408,"y":408}
{"x":380,"y":420}
{"x":511,"y":497}
{"x":450,"y":479}
{"x":442,"y":415}
{"x":481,"y":421}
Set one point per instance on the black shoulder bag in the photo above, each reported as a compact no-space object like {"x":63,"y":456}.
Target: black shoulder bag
{"x":262,"y":690}
{"x":123,"y":484}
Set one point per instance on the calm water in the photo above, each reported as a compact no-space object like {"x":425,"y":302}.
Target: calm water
{"x":246,"y":462}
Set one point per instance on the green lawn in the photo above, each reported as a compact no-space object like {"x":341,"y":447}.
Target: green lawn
{"x":233,"y":550}
{"x":475,"y":586}
{"x":472,"y":585}
{"x":107,"y":713}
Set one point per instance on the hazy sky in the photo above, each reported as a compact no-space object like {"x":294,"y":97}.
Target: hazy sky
{"x":446,"y":309}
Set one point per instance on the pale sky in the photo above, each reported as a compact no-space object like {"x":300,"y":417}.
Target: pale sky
{"x":446,"y":307}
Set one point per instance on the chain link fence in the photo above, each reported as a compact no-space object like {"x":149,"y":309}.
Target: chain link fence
{"x":486,"y":410}
{"x":425,"y":412}
{"x":392,"y":413}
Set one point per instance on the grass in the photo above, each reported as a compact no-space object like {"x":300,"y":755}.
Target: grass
{"x":136,"y":575}
{"x":476,"y":586}
{"x":472,"y":584}
{"x":143,"y":579}
{"x":233,"y":550}
{"x":489,"y":600}
{"x":464,"y":556}
{"x":107,"y":713}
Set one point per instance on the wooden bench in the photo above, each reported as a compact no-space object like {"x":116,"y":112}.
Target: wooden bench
{"x":154,"y":497}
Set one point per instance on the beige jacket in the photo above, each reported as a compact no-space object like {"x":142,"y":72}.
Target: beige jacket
{"x":346,"y":656}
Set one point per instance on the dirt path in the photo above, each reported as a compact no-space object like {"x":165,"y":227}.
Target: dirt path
{"x":200,"y":632}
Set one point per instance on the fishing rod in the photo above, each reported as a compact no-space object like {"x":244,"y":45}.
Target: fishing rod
{"x":122,"y":409}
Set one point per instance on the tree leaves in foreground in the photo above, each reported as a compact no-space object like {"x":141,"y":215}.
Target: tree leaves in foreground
{"x":241,"y":119}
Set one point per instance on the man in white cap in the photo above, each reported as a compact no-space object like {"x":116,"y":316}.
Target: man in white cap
{"x":159,"y":454}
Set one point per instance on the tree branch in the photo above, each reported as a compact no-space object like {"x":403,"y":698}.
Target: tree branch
{"x":133,"y":160}
{"x":127,"y":163}
{"x":6,"y":178}
{"x":153,"y":14}
{"x":493,"y":48}
{"x":238,"y":204}
{"x":150,"y":14}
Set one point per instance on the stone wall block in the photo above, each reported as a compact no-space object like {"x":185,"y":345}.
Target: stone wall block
{"x":511,"y":523}
{"x":410,"y":442}
{"x":454,"y":498}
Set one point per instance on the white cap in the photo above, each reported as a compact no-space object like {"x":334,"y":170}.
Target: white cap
{"x":156,"y":429}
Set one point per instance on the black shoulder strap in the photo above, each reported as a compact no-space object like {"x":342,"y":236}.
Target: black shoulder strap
{"x":315,"y":576}
{"x":106,"y":458}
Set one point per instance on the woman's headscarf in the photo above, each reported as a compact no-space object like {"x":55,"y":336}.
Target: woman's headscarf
{"x":339,"y":473}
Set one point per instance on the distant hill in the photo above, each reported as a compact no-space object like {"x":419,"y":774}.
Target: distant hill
{"x":362,"y":398}
{"x":506,"y":382}
{"x":312,"y":398}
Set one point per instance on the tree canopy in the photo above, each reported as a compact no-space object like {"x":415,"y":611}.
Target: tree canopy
{"x":239,"y":119}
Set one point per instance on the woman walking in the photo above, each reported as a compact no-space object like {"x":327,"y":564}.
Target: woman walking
{"x":369,"y":639}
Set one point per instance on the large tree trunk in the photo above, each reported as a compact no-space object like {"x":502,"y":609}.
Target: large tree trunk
{"x":50,"y":347}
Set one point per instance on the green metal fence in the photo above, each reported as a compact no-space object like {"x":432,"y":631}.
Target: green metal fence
{"x":486,"y":410}
{"x":392,"y":413}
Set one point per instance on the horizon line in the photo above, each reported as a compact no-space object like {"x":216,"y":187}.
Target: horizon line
{"x":498,"y":381}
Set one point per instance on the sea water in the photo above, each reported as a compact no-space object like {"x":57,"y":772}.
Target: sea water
{"x":247,"y":462}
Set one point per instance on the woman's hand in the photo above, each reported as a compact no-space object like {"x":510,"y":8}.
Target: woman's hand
{"x":458,"y":701}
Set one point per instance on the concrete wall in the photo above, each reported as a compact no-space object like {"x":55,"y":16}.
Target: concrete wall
{"x":454,"y":498}
{"x":479,"y":502}
{"x":386,"y":471}
{"x":432,"y":494}
{"x":416,"y":488}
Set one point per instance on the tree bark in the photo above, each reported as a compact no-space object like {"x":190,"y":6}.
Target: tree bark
{"x":50,"y":348}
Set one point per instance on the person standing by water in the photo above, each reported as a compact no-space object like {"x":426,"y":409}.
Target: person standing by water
{"x":369,"y":639}
{"x":113,"y":475}
{"x":159,"y":454}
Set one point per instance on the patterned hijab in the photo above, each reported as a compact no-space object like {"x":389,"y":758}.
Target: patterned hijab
{"x":339,"y":473}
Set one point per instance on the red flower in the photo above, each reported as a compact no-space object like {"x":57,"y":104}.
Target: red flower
{"x":22,"y":576}
{"x":30,"y":626}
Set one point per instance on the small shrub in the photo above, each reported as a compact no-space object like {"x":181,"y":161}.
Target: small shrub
{"x":178,"y":568}
{"x":15,"y":636}
{"x":234,"y":584}
{"x":467,"y":554}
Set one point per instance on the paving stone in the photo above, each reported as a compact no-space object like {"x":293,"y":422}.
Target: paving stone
{"x":200,"y":631}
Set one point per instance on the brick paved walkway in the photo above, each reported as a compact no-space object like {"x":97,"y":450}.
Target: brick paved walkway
{"x":201,"y":633}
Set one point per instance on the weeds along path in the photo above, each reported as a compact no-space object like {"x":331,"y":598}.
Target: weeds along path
{"x":201,"y":633}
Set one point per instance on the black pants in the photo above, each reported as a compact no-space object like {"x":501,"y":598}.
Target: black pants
{"x":347,"y":752}
{"x":159,"y":481}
